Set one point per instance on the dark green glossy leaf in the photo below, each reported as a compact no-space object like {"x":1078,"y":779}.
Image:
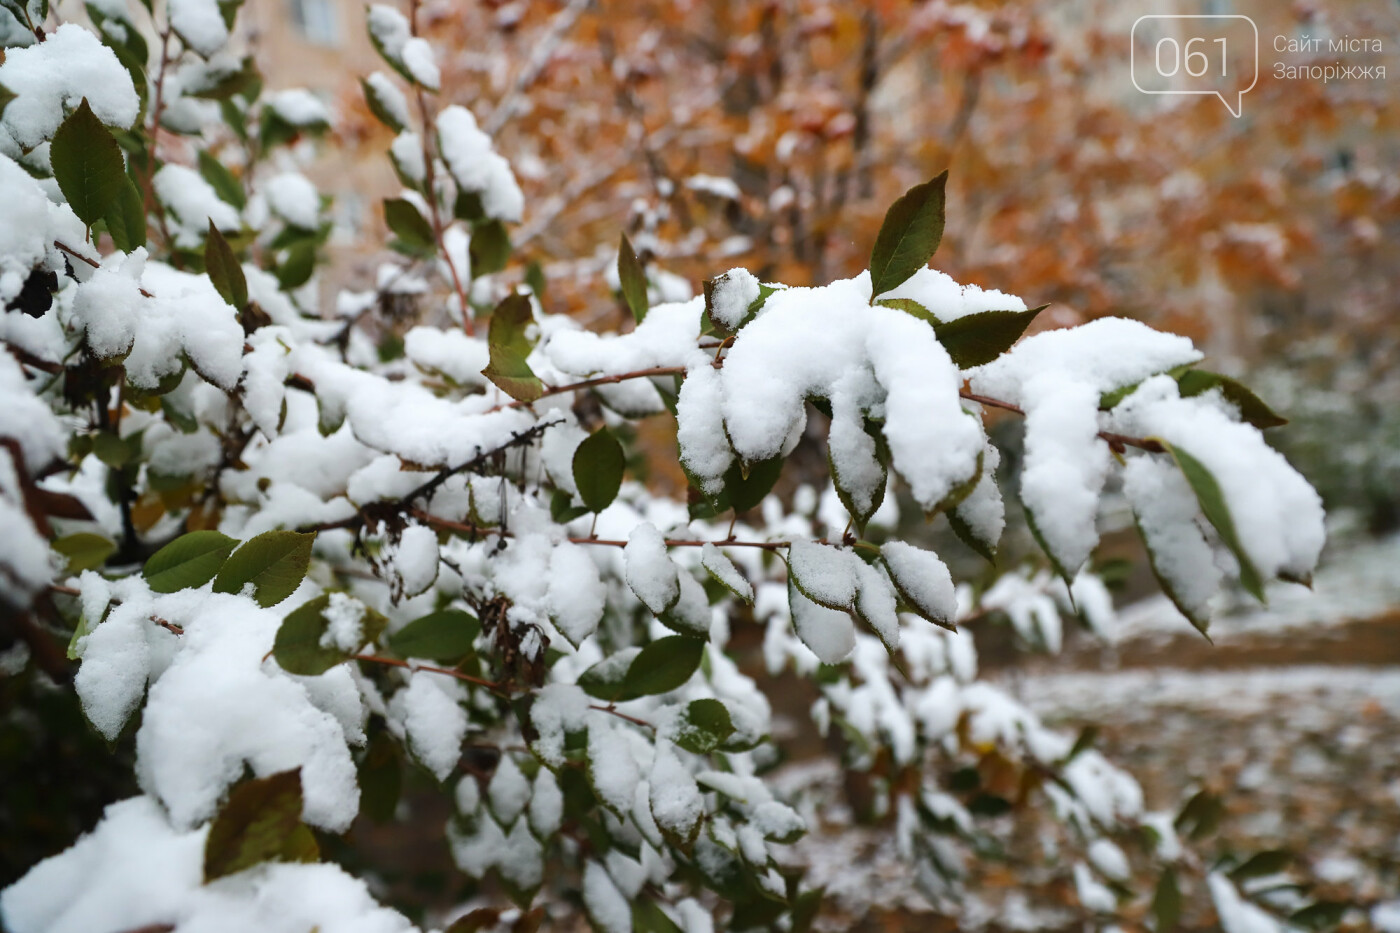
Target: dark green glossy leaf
{"x":483,"y":918}
{"x":298,"y":649}
{"x":633,"y":279}
{"x":255,"y":825}
{"x":468,"y":207}
{"x":1199,"y":621}
{"x":911,"y":307}
{"x":747,"y":491}
{"x":966,"y":534}
{"x":1320,"y":916}
{"x":382,"y":112}
{"x":126,"y":217}
{"x":275,"y":563}
{"x":1200,"y":816}
{"x":381,"y":777}
{"x":664,"y":665}
{"x":189,"y":561}
{"x":225,"y":184}
{"x":490,"y":248}
{"x":607,"y":680}
{"x":295,"y":271}
{"x":446,"y":636}
{"x":1252,"y":408}
{"x":87,"y":164}
{"x":223,"y":269}
{"x":648,"y":917}
{"x":704,"y":726}
{"x":1217,"y":512}
{"x":534,"y":277}
{"x":410,"y":226}
{"x":976,"y":339}
{"x":1268,"y":862}
{"x":509,"y":346}
{"x":909,"y":237}
{"x":598,"y":467}
{"x":1166,"y":901}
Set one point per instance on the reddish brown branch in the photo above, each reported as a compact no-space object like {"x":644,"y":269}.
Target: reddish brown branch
{"x":395,"y":662}
{"x":430,"y":190}
{"x":96,"y":265}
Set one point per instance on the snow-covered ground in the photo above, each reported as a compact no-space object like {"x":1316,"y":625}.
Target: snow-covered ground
{"x":1289,"y":721}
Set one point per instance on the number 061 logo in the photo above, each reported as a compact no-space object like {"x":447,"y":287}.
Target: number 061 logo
{"x":1180,"y":54}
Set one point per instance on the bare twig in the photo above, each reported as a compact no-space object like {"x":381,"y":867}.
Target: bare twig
{"x":63,"y":247}
{"x":467,"y":678}
{"x":430,"y":187}
{"x":539,"y":59}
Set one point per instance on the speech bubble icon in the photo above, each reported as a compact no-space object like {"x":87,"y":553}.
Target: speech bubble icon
{"x":1214,"y":54}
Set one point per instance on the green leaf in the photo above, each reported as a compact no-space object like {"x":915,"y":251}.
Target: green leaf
{"x":562,"y":509}
{"x":126,"y":217}
{"x":87,"y":164}
{"x":255,"y":825}
{"x":1217,"y":512}
{"x":607,"y":680}
{"x":1199,"y":621}
{"x":1087,"y":736}
{"x":275,"y":562}
{"x":489,"y":249}
{"x":1268,"y":862}
{"x":297,"y":648}
{"x":664,"y":665}
{"x":410,"y":226}
{"x":225,"y":184}
{"x":747,"y":491}
{"x":509,"y":346}
{"x":648,"y":917}
{"x":633,"y":278}
{"x":446,"y":636}
{"x":1166,"y":901}
{"x":911,"y":307}
{"x":976,"y":339}
{"x":1252,"y":408}
{"x":704,"y":726}
{"x":1200,"y":816}
{"x":223,"y":269}
{"x":84,"y":550}
{"x":393,"y":61}
{"x":534,"y":277}
{"x":882,"y":459}
{"x":483,"y":918}
{"x":1060,"y":569}
{"x":1320,"y":916}
{"x":909,"y":236}
{"x":188,"y":562}
{"x":295,"y":271}
{"x":6,"y":95}
{"x":381,"y":111}
{"x":965,"y":533}
{"x":380,"y":776}
{"x":598,"y":467}
{"x":468,"y":207}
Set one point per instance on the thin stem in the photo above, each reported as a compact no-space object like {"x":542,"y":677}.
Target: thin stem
{"x":467,"y":528}
{"x":64,"y":248}
{"x":148,"y":192}
{"x":610,"y":708}
{"x":597,"y":381}
{"x":395,"y":662}
{"x":430,"y":184}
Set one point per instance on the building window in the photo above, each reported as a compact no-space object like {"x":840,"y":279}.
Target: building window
{"x":316,"y":21}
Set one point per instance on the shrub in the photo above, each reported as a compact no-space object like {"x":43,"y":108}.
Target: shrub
{"x":296,"y":568}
